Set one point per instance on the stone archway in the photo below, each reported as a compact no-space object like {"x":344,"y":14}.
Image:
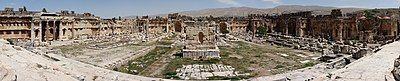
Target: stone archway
{"x":63,"y":31}
{"x":36,"y":32}
{"x":178,"y":27}
{"x":223,"y":27}
{"x":201,"y":37}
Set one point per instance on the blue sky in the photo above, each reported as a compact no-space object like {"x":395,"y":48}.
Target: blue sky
{"x":115,"y":8}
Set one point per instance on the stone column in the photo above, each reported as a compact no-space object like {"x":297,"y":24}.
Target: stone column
{"x":32,"y":33}
{"x":147,"y":28}
{"x":73,"y":29}
{"x":54,"y":30}
{"x":182,"y":27}
{"x":340,"y":32}
{"x":61,"y":32}
{"x":40,"y":32}
{"x":47,"y":30}
{"x":167,"y":26}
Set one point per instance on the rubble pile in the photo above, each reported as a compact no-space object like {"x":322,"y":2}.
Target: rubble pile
{"x":199,"y":72}
{"x":396,"y":69}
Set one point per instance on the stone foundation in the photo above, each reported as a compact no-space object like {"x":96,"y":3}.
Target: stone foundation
{"x":201,"y":53}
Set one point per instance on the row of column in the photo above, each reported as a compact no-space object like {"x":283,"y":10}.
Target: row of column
{"x":45,"y":31}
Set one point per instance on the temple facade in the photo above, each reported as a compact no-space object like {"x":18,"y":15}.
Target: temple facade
{"x":43,"y":26}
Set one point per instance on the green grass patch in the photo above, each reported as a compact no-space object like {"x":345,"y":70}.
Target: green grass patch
{"x":164,"y":42}
{"x":139,"y":64}
{"x":72,"y":50}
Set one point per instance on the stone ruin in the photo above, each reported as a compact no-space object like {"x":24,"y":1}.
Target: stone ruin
{"x":338,"y":54}
{"x":201,"y":52}
{"x":202,"y":72}
{"x":200,"y":41}
{"x":396,"y":69}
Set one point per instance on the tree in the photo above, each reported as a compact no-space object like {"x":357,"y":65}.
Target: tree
{"x":119,"y":18}
{"x":44,"y":10}
{"x":113,"y":19}
{"x":368,"y":14}
{"x":25,"y":9}
{"x":261,"y":30}
{"x":225,"y":32}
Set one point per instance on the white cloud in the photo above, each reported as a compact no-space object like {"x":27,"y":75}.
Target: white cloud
{"x":273,"y":1}
{"x":230,"y":2}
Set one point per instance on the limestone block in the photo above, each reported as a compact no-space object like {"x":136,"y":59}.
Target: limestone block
{"x":362,"y":53}
{"x":336,"y":48}
{"x":346,"y":49}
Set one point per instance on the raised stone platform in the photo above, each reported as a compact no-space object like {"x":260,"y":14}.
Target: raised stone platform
{"x":201,"y":53}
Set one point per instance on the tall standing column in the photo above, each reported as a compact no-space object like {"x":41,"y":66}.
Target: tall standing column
{"x":32,"y":33}
{"x":54,"y":30}
{"x":47,"y":31}
{"x":73,"y":29}
{"x":147,"y":28}
{"x":40,"y":32}
{"x":60,"y":31}
{"x":168,"y":26}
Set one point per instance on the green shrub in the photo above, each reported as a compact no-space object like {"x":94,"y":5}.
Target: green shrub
{"x":225,"y":32}
{"x":278,"y":66}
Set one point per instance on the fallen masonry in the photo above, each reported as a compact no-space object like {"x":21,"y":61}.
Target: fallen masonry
{"x":329,"y":49}
{"x":202,"y":72}
{"x":396,"y":69}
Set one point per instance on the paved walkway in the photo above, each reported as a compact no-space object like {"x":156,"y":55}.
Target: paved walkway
{"x":375,"y":67}
{"x":19,"y":64}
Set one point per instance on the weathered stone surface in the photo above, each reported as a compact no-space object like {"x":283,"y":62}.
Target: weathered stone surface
{"x":362,"y":53}
{"x":346,"y":49}
{"x":375,"y":67}
{"x":296,"y":46}
{"x":337,"y":48}
{"x":202,"y":72}
{"x":42,"y":68}
{"x":347,"y":42}
{"x":327,"y":55}
{"x":396,"y":69}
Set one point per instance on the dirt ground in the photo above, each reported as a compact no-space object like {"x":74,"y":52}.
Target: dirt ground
{"x":99,"y":57}
{"x":256,"y":59}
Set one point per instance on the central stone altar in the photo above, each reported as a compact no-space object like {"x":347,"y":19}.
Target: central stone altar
{"x":200,"y":40}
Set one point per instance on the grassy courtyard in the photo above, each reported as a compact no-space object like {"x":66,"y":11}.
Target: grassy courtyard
{"x":258,"y":60}
{"x":136,"y":66}
{"x":261,"y":60}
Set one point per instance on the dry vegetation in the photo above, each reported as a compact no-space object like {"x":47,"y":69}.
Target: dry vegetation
{"x":258,"y":60}
{"x":261,"y":60}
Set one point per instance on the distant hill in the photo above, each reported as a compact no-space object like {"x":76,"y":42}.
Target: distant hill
{"x":244,"y":11}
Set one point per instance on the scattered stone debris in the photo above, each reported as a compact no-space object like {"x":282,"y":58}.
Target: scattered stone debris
{"x":202,"y":72}
{"x":396,"y":69}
